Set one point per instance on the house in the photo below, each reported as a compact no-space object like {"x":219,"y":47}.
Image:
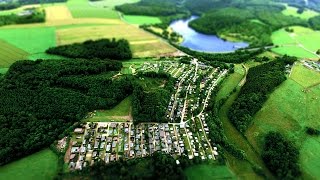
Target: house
{"x":74,"y":150}
{"x":79,"y":130}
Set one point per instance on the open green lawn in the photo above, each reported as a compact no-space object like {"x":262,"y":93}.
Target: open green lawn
{"x":140,"y":20}
{"x":99,"y":9}
{"x":304,"y":76}
{"x":38,"y":166}
{"x":289,"y":109}
{"x":292,"y":11}
{"x":121,"y":112}
{"x":31,"y":40}
{"x":208,"y":171}
{"x":300,"y":43}
{"x":230,"y":83}
{"x":10,"y":54}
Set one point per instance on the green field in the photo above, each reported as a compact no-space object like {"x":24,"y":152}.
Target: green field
{"x":121,"y":112}
{"x":305,"y":76}
{"x":300,"y":43}
{"x":41,"y":165}
{"x":99,"y":9}
{"x":289,"y":109}
{"x":10,"y":54}
{"x":292,"y":11}
{"x":208,"y":171}
{"x":31,"y":40}
{"x":140,"y":20}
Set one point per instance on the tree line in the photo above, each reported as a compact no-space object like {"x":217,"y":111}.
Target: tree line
{"x":260,"y":81}
{"x":42,"y":99}
{"x":12,"y":4}
{"x":157,"y":166}
{"x":37,"y":16}
{"x":101,"y":49}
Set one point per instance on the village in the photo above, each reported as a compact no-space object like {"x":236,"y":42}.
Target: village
{"x":185,"y":133}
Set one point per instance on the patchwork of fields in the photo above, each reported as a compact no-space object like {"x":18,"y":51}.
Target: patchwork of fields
{"x":290,"y":109}
{"x":302,"y":42}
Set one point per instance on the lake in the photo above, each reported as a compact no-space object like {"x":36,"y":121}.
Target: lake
{"x":202,"y":42}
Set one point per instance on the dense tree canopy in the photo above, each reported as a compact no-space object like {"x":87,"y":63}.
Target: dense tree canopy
{"x":281,"y":156}
{"x":102,"y":49}
{"x":41,"y":99}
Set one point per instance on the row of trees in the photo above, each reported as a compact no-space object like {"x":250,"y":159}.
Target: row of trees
{"x":12,"y":4}
{"x":36,"y":17}
{"x":41,"y":99}
{"x":281,"y":156}
{"x":260,"y":81}
{"x":102,"y":49}
{"x":157,"y":166}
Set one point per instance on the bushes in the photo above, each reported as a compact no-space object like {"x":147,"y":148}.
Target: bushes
{"x":261,"y":80}
{"x":312,"y":131}
{"x":281,"y":156}
{"x":36,"y":17}
{"x":102,"y":49}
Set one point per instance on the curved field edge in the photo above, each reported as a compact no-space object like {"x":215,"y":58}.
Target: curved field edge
{"x":40,"y":165}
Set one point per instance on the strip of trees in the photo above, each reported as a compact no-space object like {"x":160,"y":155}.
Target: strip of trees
{"x":260,"y":81}
{"x":37,"y":16}
{"x":281,"y":156}
{"x":41,"y":99}
{"x":101,"y":49}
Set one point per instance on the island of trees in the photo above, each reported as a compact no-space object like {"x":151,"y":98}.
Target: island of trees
{"x":101,"y":49}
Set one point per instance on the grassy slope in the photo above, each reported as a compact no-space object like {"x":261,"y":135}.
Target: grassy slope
{"x":122,"y":109}
{"x":10,"y":54}
{"x":208,"y":171}
{"x":289,"y":42}
{"x":41,"y":165}
{"x":289,"y":110}
{"x":140,"y":20}
{"x":292,"y":11}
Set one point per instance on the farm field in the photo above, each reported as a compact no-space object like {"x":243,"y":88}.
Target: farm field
{"x":208,"y":171}
{"x":305,"y":76}
{"x":289,"y":110}
{"x":140,"y":20}
{"x":10,"y":54}
{"x":101,"y":9}
{"x":54,"y":13}
{"x":142,"y":43}
{"x":41,"y":165}
{"x":292,"y":11}
{"x":300,"y":43}
{"x":31,"y":40}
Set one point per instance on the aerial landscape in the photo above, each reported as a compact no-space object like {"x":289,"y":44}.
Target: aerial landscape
{"x":159,"y":89}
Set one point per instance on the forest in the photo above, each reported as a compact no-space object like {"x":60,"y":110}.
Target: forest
{"x":41,"y":99}
{"x":101,"y":49}
{"x":36,"y":17}
{"x":151,"y":8}
{"x":157,"y":166}
{"x":281,"y":156}
{"x":150,"y":105}
{"x":260,"y":81}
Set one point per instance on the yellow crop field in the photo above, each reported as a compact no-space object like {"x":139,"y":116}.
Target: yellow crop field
{"x":54,"y":13}
{"x":142,"y":43}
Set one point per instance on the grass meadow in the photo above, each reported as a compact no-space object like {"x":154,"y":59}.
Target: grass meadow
{"x":208,"y":171}
{"x":300,"y":43}
{"x":99,"y":9}
{"x":10,"y":54}
{"x":41,"y":165}
{"x":140,"y":20}
{"x":290,"y":109}
{"x":293,"y":11}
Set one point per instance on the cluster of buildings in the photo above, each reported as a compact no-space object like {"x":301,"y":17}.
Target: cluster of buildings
{"x":312,"y":65}
{"x":185,"y":134}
